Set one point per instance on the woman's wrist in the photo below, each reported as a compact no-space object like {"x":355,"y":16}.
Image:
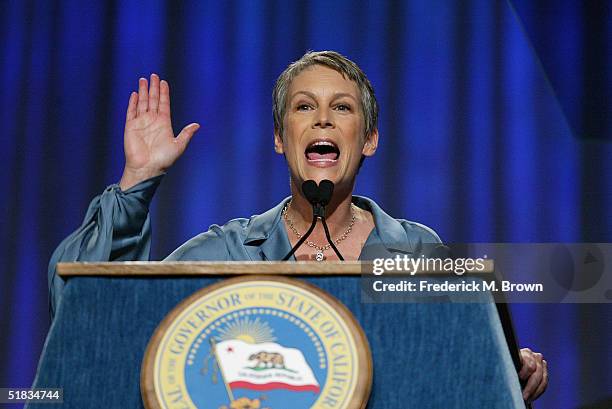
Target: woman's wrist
{"x":132,"y":177}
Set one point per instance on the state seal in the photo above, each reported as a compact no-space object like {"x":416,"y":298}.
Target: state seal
{"x":263,"y":342}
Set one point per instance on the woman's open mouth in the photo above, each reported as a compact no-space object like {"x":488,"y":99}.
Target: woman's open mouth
{"x":322,"y":153}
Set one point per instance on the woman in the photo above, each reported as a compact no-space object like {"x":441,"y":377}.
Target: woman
{"x":325,"y":122}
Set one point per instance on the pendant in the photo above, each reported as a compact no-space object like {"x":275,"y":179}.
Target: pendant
{"x":319,"y":256}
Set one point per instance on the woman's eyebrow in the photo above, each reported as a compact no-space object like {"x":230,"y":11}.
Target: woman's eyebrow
{"x":344,"y":94}
{"x":335,"y":96}
{"x":307,"y":93}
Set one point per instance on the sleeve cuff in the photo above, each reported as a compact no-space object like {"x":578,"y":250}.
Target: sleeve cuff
{"x":144,"y":190}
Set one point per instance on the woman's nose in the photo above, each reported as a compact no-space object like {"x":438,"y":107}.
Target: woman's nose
{"x":323,"y":119}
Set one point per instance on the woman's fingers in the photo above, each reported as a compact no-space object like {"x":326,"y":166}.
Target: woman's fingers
{"x":131,"y":109}
{"x":154,"y":93}
{"x":164,"y":98}
{"x":185,"y":136}
{"x":528,"y":364}
{"x":143,"y":96}
{"x":544,"y":384}
{"x":533,"y":383}
{"x":152,"y":97}
{"x":535,"y":372}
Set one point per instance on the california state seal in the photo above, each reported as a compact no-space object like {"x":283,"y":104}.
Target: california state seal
{"x":263,"y":342}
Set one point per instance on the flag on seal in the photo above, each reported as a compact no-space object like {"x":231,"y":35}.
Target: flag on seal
{"x":264,"y":366}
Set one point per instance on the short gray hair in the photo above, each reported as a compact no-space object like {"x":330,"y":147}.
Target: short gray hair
{"x":335,"y":61}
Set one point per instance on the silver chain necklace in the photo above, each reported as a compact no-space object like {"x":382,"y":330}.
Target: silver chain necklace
{"x":319,"y":256}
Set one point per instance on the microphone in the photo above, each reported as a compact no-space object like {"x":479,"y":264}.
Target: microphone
{"x":318,"y":197}
{"x":311,"y":192}
{"x":326,"y":189}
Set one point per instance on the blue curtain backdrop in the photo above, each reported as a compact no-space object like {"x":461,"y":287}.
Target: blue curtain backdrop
{"x":496,"y":126}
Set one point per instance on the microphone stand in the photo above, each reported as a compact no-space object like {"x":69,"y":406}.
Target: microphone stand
{"x":329,"y":239}
{"x":318,"y":197}
{"x":302,"y":240}
{"x":326,"y":190}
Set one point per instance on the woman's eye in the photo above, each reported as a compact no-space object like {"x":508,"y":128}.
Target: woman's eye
{"x":343,"y":107}
{"x":303,"y":107}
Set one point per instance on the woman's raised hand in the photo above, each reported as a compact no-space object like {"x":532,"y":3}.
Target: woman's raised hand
{"x":149,"y":142}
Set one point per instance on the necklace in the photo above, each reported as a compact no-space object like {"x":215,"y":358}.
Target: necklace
{"x":319,"y":256}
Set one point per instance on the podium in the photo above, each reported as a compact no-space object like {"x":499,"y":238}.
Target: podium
{"x":425,"y":355}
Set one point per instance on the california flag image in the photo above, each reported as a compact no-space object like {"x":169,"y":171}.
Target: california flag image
{"x":264,"y":366}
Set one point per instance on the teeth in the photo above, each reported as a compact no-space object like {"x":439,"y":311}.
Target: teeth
{"x":323,"y":143}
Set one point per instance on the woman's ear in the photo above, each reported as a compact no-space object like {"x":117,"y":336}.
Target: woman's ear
{"x":371,"y":143}
{"x":278,"y":143}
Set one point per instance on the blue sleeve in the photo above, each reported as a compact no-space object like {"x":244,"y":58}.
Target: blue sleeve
{"x":207,"y":246}
{"x":421,"y":240}
{"x":116,"y":228}
{"x":423,"y":234}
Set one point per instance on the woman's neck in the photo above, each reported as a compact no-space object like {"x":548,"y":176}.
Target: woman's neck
{"x":338,"y":212}
{"x":343,"y":219}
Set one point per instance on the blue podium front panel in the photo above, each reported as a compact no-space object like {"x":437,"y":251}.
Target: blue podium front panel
{"x":426,"y":355}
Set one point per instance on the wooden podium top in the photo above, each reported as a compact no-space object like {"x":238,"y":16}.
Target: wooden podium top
{"x":229,"y":268}
{"x":204,"y":268}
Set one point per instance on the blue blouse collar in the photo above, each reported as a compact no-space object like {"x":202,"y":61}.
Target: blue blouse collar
{"x":267,"y":231}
